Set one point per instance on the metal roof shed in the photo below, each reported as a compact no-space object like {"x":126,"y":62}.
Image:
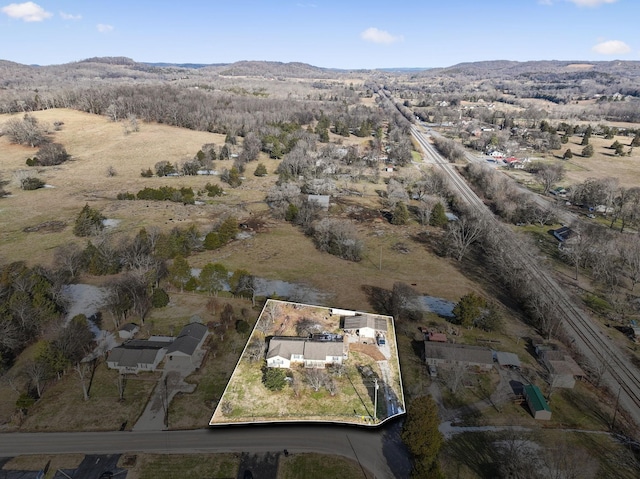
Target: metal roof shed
{"x":536,"y":402}
{"x":508,"y":359}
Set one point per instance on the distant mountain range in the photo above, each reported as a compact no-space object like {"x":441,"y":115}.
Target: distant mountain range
{"x":110,"y":69}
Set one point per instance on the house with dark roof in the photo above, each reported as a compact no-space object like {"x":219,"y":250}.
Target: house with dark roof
{"x":451,"y":354}
{"x":137,"y":355}
{"x":189,"y":340}
{"x":563,"y":234}
{"x":285,"y":351}
{"x":365,"y":325}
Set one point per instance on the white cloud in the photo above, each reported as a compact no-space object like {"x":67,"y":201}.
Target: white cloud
{"x":28,"y":11}
{"x":70,"y":16}
{"x":591,"y":3}
{"x":374,"y":35}
{"x":611,"y":47}
{"x":102,"y":28}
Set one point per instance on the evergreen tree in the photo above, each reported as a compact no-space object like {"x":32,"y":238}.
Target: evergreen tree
{"x":421,"y":436}
{"x":234,"y":177}
{"x":568,"y":154}
{"x":400,"y":214}
{"x":438,"y":216}
{"x":159,"y":298}
{"x":636,"y":140}
{"x":274,"y":379}
{"x":261,"y":170}
{"x":469,"y":309}
{"x":587,"y":151}
{"x":88,"y":222}
{"x":587,"y":136}
{"x":292,"y":213}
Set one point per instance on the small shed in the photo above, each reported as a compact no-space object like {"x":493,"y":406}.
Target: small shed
{"x":128,"y":331}
{"x":537,"y":403}
{"x":563,"y":234}
{"x":438,"y":337}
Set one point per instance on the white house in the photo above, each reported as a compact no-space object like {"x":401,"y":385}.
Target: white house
{"x":284,"y":351}
{"x":137,"y":355}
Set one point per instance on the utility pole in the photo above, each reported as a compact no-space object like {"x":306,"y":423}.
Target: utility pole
{"x":375,"y":400}
{"x":615,"y":410}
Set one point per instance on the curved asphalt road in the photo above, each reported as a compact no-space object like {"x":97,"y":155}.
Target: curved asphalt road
{"x":380,"y":452}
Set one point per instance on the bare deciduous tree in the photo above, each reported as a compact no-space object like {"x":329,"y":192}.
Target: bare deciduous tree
{"x":316,"y":378}
{"x":461,"y":234}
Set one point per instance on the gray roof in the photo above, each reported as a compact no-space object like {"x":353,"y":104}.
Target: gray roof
{"x":129,"y":327}
{"x":131,"y":357}
{"x":507,"y":359}
{"x":458,"y":352}
{"x":308,"y":348}
{"x":365,"y":321}
{"x":188,"y":339}
{"x":145,"y":344}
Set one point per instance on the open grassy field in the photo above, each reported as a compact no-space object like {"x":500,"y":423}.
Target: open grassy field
{"x":603,"y":164}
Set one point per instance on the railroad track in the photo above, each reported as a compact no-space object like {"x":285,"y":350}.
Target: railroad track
{"x":620,"y":375}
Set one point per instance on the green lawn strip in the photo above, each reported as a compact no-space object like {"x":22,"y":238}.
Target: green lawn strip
{"x":317,"y":466}
{"x":155,"y":466}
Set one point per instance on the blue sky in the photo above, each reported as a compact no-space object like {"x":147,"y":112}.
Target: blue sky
{"x":326,"y":33}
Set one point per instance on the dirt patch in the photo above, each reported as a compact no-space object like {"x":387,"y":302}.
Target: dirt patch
{"x":46,"y":227}
{"x":369,"y":349}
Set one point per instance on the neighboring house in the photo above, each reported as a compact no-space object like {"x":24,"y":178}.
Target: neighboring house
{"x":563,"y":234}
{"x":450,"y":354}
{"x":365,"y":325}
{"x":189,"y":340}
{"x":286,"y":351}
{"x":536,"y":402}
{"x":137,"y":355}
{"x":128,"y":331}
{"x":563,"y":370}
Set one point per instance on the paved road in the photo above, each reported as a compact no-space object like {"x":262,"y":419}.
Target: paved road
{"x":378,"y":451}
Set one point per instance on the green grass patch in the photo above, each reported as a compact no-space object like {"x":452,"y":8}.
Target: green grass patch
{"x":218,"y":466}
{"x":317,"y":466}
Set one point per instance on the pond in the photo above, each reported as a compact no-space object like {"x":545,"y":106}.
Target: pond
{"x":296,"y":292}
{"x":88,"y":299}
{"x":439,"y":306}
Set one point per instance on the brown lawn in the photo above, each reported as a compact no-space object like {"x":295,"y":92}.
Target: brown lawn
{"x":369,"y":349}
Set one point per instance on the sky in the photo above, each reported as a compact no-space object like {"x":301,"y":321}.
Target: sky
{"x":347,"y":34}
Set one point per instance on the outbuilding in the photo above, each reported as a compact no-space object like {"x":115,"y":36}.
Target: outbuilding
{"x":537,"y":403}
